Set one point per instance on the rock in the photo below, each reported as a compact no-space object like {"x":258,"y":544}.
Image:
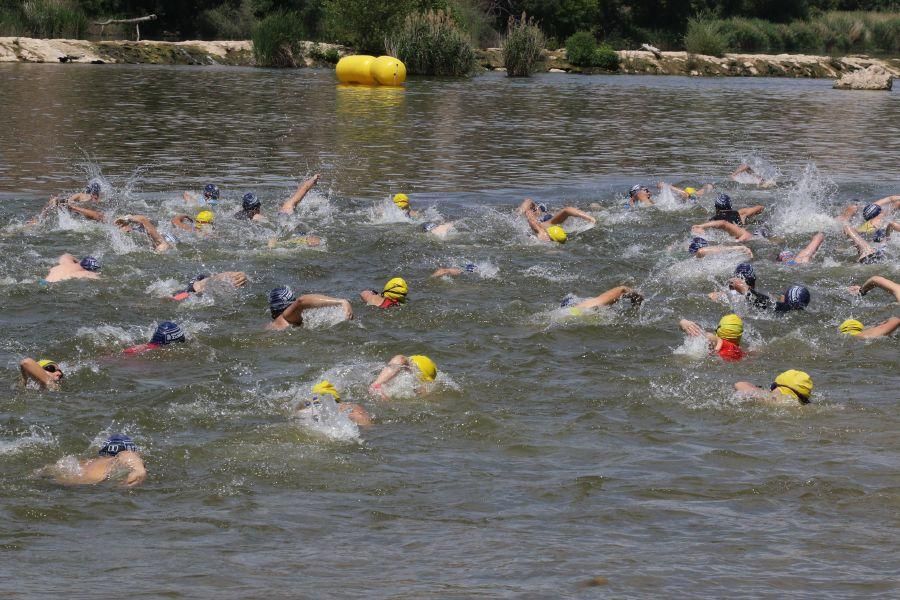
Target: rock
{"x":871,"y":78}
{"x":556,"y":71}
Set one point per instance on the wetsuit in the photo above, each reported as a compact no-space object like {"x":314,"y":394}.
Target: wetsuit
{"x":388,"y":303}
{"x":765,"y":302}
{"x":730,"y":351}
{"x":732,"y":216}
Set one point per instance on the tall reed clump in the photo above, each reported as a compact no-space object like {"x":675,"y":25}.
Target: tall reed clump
{"x":44,"y":19}
{"x":703,"y":36}
{"x":522,"y":46}
{"x":431,"y":43}
{"x":275,"y":39}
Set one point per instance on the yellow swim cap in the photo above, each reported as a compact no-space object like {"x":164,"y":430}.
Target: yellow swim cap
{"x":797,"y":382}
{"x":730,"y":328}
{"x":205,"y":217}
{"x":690,"y":191}
{"x":851,"y":326}
{"x":401,"y":200}
{"x":45,"y":362}
{"x":396,"y":289}
{"x":325,"y":387}
{"x":427,"y":368}
{"x":557,"y":234}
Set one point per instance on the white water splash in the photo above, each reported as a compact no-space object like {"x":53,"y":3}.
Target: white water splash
{"x":35,"y":437}
{"x":807,"y":206}
{"x":696,"y":347}
{"x":322,"y":318}
{"x":323,"y":417}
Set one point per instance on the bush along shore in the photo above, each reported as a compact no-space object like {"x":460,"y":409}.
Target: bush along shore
{"x":311,"y":54}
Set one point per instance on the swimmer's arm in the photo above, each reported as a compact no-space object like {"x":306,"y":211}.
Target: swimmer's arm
{"x":694,"y":330}
{"x":67,"y":259}
{"x":735,"y":231}
{"x":571,"y":211}
{"x":750,"y":211}
{"x":79,"y":197}
{"x":395,"y":365}
{"x":539,"y":231}
{"x":137,"y":472}
{"x":886,"y":328}
{"x":894,"y":201}
{"x":159,"y":244}
{"x":881,"y":282}
{"x":291,"y":203}
{"x":526,"y":207}
{"x":308,"y":301}
{"x":610,"y":297}
{"x":745,"y":387}
{"x":94,"y":215}
{"x":848,"y":212}
{"x":356,"y":413}
{"x":30,"y":369}
{"x":447,"y":271}
{"x":662,"y":184}
{"x":190,"y":197}
{"x":744,"y":168}
{"x":235,"y":278}
{"x":183,"y":222}
{"x":709,"y":250}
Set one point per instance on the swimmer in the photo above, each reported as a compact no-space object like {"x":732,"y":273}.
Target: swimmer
{"x":141,"y":224}
{"x":290,"y":205}
{"x":166,"y":333}
{"x":210,"y":195}
{"x":69,"y":267}
{"x":687,"y":194}
{"x":876,"y":281}
{"x":250,"y":209}
{"x":546,"y":227}
{"x":44,"y":372}
{"x":393,"y":294}
{"x":745,"y":174}
{"x":700,"y":248}
{"x":639,"y":194}
{"x":607,"y":298}
{"x":854,"y":328}
{"x":788,"y":387}
{"x":745,"y":273}
{"x":308,"y":240}
{"x":91,"y":194}
{"x":874,"y":217}
{"x":422,"y":366}
{"x":866,"y":254}
{"x":726,"y":341}
{"x":725,"y":212}
{"x":199,"y":224}
{"x":804,"y":256}
{"x":455,"y":271}
{"x":796,"y":297}
{"x":118,"y":455}
{"x":287,"y":309}
{"x":438,"y":230}
{"x":401,"y":201}
{"x":197,"y":285}
{"x":354,"y":412}
{"x":736,"y":231}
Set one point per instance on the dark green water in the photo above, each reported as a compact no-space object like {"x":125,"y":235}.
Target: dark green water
{"x":553,"y":450}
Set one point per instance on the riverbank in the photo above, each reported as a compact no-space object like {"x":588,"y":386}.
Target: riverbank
{"x":240,"y":53}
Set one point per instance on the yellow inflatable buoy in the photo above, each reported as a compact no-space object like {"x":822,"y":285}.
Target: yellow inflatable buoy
{"x":368,"y":70}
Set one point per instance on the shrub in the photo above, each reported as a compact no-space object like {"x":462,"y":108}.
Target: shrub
{"x":806,"y":37}
{"x":275,"y":37}
{"x":704,"y":37}
{"x":53,"y":19}
{"x":431,"y":43}
{"x":581,"y":49}
{"x":522,"y":47}
{"x":473,"y":18}
{"x":886,"y":34}
{"x":366,"y":24}
{"x":227,"y":22}
{"x":606,"y":58}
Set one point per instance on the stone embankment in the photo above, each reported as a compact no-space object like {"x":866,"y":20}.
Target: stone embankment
{"x":240,"y":53}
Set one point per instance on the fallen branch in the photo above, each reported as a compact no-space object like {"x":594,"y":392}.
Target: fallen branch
{"x":652,"y":49}
{"x":137,"y":21}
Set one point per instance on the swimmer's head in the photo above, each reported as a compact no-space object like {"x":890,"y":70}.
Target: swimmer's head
{"x":567,"y":301}
{"x":723,"y":202}
{"x":470,"y":267}
{"x":786,"y":256}
{"x":730,"y":328}
{"x":690,"y":191}
{"x":211,"y":191}
{"x":426,"y":366}
{"x":797,"y":297}
{"x":696,"y":244}
{"x":851,"y":327}
{"x":50,"y":366}
{"x":871,"y":211}
{"x":637,"y":189}
{"x":557,"y":234}
{"x":763,"y":232}
{"x":279,"y":299}
{"x":745,"y":271}
{"x":204,"y":217}
{"x":325,"y":387}
{"x":195,"y":279}
{"x":93,"y":188}
{"x":250,"y":202}
{"x":117,"y":443}
{"x":402,"y":201}
{"x":167,"y":332}
{"x":396,"y":289}
{"x":426,"y":227}
{"x":799,"y":383}
{"x":89,"y":263}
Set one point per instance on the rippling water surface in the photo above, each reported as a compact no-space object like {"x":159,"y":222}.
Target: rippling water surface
{"x":553,"y":451}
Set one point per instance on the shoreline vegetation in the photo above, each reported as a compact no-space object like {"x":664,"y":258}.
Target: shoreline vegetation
{"x":314,"y":54}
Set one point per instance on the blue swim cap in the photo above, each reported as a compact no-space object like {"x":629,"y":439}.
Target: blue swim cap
{"x":879,"y":235}
{"x":211,"y":191}
{"x":542,"y":207}
{"x":796,"y":297}
{"x":568,"y":300}
{"x":470,"y":267}
{"x":426,"y":227}
{"x":635,"y":189}
{"x":723,"y":202}
{"x":93,"y":188}
{"x":89,"y":263}
{"x":762,"y":231}
{"x":195,"y":279}
{"x":786,"y":256}
{"x":250,"y":201}
{"x":279,"y":299}
{"x":871,"y":211}
{"x":166,"y":333}
{"x":117,"y":443}
{"x":745,"y":271}
{"x":545,"y":217}
{"x":696,"y":244}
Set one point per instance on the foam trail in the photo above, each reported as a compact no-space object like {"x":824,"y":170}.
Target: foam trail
{"x":693,"y":347}
{"x":36,"y":437}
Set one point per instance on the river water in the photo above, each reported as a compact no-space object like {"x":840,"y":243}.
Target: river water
{"x":556,"y":456}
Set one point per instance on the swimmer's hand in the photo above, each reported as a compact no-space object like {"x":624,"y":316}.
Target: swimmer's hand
{"x":739,"y":285}
{"x":376,"y":390}
{"x":856,"y":289}
{"x":235,"y":278}
{"x":348,"y":310}
{"x":691,"y":328}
